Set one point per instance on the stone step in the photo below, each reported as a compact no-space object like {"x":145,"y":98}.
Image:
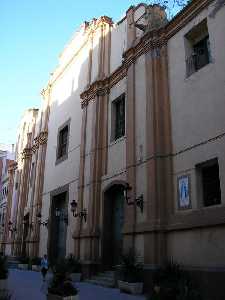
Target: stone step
{"x":102,"y":277}
{"x":107,"y":274}
{"x":104,"y":283}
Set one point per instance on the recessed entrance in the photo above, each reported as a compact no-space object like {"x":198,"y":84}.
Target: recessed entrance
{"x":113,"y":225}
{"x":58,"y":227}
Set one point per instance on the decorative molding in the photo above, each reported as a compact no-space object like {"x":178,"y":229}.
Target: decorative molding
{"x":154,"y":41}
{"x":35,"y":145}
{"x":41,"y":139}
{"x":27,"y":153}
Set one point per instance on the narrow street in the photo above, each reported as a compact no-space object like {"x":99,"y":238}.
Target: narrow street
{"x":28,"y":285}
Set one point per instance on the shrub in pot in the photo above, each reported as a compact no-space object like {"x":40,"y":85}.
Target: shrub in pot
{"x":5,"y":295}
{"x":172,"y":283}
{"x":61,"y":287}
{"x":3,"y":272}
{"x":130,"y":273}
{"x":36,"y":263}
{"x":74,"y":267}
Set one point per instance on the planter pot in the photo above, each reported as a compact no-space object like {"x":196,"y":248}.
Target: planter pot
{"x":23,"y":266}
{"x":3,"y":284}
{"x":36,"y":268}
{"x":56,"y":297}
{"x":75,"y":277}
{"x":135,"y":288}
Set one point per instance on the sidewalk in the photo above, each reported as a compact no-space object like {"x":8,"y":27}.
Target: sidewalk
{"x":28,"y":285}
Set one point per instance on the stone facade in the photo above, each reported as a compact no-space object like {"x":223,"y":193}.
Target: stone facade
{"x":168,"y":78}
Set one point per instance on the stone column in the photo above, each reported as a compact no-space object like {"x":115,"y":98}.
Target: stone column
{"x":158,"y":141}
{"x":22,"y":201}
{"x":130,"y":211}
{"x":40,"y":168}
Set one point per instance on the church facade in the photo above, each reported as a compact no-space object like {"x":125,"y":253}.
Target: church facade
{"x":128,"y":149}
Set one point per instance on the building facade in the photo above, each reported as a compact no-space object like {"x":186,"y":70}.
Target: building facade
{"x":128,"y":149}
{"x":6,"y":159}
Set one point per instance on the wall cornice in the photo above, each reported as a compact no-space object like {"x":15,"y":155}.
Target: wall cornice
{"x":150,"y":41}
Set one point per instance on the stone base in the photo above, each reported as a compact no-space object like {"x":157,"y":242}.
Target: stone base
{"x":23,"y":266}
{"x":76,"y":277}
{"x":90,"y":268}
{"x":135,"y":288}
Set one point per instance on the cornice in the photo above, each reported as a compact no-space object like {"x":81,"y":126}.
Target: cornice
{"x":155,"y":41}
{"x":149,"y":42}
{"x":185,"y":16}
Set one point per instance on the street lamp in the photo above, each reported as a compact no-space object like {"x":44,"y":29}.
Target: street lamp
{"x":137,"y":201}
{"x":82,"y":214}
{"x":11,"y":228}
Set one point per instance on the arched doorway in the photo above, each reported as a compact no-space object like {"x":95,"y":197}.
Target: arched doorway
{"x":58,"y":227}
{"x":113,"y":220}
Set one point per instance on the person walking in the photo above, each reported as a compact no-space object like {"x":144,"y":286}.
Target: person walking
{"x":44,"y":266}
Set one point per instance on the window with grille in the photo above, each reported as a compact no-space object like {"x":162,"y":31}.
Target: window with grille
{"x":118,"y":117}
{"x":63,"y":140}
{"x":210,"y":182}
{"x":197,"y":48}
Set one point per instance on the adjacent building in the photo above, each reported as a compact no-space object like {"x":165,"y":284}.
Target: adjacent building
{"x":6,"y":159}
{"x":128,"y":148}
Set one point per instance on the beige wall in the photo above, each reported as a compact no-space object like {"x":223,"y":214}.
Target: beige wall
{"x":197,"y":114}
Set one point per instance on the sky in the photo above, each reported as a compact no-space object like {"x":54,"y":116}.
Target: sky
{"x":33,"y":33}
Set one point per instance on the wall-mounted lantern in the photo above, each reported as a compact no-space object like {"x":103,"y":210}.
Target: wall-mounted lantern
{"x":45,"y":223}
{"x":11,"y":228}
{"x":137,"y":201}
{"x":82,"y":214}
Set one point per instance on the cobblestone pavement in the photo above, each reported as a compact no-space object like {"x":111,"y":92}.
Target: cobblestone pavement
{"x":28,"y":285}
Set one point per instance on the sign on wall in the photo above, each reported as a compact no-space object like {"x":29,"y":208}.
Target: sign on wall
{"x":184,"y":200}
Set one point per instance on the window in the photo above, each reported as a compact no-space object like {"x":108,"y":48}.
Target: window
{"x":210,"y":182}
{"x":197,"y":47}
{"x":63,"y":140}
{"x":118,"y":118}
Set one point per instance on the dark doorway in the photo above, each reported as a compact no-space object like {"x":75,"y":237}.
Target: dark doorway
{"x":113,"y":225}
{"x":58,"y":227}
{"x":25,"y":234}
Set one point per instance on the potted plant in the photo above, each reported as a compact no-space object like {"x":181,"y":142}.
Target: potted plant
{"x":35,"y":263}
{"x":74,"y":268}
{"x":3,"y":272}
{"x":130,"y":273}
{"x":5,"y":295}
{"x":24,"y":263}
{"x":172,"y":283}
{"x":61,"y":287}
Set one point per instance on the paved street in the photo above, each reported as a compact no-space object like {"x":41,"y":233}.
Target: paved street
{"x":28,"y":285}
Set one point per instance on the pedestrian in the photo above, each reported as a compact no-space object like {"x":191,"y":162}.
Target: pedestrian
{"x":44,"y":266}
